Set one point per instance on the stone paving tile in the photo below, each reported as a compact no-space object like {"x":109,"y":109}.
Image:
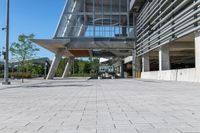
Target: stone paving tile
{"x":100,"y":106}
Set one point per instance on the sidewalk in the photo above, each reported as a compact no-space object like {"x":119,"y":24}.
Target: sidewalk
{"x":100,"y":106}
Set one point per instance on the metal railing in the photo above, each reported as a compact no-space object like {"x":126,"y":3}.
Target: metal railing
{"x":101,"y":31}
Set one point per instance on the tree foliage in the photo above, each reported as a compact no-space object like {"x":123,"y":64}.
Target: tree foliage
{"x":90,"y":66}
{"x":23,"y":50}
{"x":80,"y":67}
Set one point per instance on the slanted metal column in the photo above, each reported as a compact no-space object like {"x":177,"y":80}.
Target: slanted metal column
{"x":164,"y":58}
{"x":68,"y":67}
{"x":122,"y":69}
{"x":145,"y":63}
{"x":54,"y":66}
{"x":197,"y":50}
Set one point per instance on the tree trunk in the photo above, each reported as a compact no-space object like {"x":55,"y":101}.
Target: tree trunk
{"x":22,"y":72}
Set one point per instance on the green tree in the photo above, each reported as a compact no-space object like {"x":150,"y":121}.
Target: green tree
{"x":23,"y":50}
{"x":76,"y":66}
{"x":90,"y":66}
{"x":81,"y":67}
{"x":94,"y":66}
{"x":36,"y":70}
{"x":87,"y":67}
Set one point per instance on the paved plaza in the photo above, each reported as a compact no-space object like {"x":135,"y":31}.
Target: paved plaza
{"x":100,"y":106}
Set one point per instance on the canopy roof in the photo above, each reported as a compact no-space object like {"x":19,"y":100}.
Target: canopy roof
{"x":86,"y":47}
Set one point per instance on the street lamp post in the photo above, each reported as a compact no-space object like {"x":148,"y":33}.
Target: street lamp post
{"x":6,"y":80}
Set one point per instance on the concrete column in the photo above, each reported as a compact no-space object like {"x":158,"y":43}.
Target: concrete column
{"x":138,"y":65}
{"x":145,"y":63}
{"x":68,"y":68}
{"x":136,"y":68}
{"x":164,"y":58}
{"x":197,"y":50}
{"x":134,"y":64}
{"x":54,"y":67}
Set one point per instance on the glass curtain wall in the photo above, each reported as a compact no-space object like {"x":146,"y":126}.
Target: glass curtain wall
{"x":97,"y":18}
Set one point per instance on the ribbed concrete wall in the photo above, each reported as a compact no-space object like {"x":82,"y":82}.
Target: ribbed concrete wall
{"x":162,"y":21}
{"x":190,"y":75}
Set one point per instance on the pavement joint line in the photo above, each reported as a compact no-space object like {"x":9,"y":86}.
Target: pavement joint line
{"x":137,"y":130}
{"x":62,"y":123}
{"x":40,"y":128}
{"x":152,"y":125}
{"x":189,"y":125}
{"x":37,"y":118}
{"x":27,"y":124}
{"x":55,"y":115}
{"x":114,"y":126}
{"x":50,"y":119}
{"x":77,"y":127}
{"x":81,"y":119}
{"x":131,"y":122}
{"x":180,"y":130}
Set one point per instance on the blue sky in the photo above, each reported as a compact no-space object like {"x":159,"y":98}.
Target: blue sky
{"x":39,"y":17}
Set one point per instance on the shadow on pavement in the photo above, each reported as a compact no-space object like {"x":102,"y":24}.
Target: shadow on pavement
{"x":71,"y":85}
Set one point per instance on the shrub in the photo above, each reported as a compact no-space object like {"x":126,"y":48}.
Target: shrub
{"x":19,"y":75}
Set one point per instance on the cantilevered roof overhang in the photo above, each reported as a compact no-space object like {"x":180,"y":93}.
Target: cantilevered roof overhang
{"x":93,"y":28}
{"x":74,"y":46}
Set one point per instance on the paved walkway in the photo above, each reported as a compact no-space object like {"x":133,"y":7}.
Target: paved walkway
{"x":100,"y":106}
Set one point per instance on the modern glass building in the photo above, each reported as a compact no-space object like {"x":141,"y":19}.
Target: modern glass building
{"x":157,"y":37}
{"x":168,"y":39}
{"x":92,"y":28}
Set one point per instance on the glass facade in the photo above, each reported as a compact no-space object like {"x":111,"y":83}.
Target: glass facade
{"x":96,"y":18}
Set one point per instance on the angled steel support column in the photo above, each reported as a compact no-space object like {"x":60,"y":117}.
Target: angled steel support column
{"x":54,"y":66}
{"x":122,"y":69}
{"x":68,"y":68}
{"x":164,"y":58}
{"x":145,"y":63}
